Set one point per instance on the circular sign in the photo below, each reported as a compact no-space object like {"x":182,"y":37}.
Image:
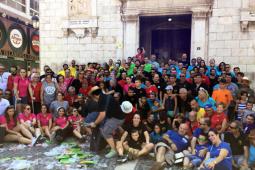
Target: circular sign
{"x":35,"y":43}
{"x":17,"y":38}
{"x":2,"y":34}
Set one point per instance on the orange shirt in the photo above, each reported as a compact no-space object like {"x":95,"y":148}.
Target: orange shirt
{"x":222,"y":95}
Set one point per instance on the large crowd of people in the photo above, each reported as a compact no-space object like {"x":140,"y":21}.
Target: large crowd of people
{"x":194,"y":114}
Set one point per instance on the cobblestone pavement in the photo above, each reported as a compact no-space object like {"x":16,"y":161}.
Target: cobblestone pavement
{"x":35,"y":158}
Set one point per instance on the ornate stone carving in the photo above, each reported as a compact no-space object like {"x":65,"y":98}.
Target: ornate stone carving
{"x":200,"y":13}
{"x":82,"y":18}
{"x":79,"y":8}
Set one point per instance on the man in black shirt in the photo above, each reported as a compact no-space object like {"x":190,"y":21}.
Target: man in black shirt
{"x":111,"y":116}
{"x":238,"y":144}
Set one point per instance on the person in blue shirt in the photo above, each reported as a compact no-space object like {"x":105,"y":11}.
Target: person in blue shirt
{"x":156,"y":135}
{"x":195,"y":159}
{"x":204,"y":99}
{"x":174,"y":142}
{"x":219,"y":155}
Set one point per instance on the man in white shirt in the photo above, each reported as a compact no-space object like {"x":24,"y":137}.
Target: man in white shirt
{"x":3,"y":103}
{"x":3,"y":78}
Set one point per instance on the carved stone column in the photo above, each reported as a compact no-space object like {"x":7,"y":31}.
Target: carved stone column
{"x":199,"y":35}
{"x":131,"y":34}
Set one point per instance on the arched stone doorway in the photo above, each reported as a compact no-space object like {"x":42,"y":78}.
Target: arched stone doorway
{"x":166,"y":36}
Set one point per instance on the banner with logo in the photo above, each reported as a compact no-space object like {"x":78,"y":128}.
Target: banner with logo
{"x":17,"y":38}
{"x":35,"y":42}
{"x":3,"y":36}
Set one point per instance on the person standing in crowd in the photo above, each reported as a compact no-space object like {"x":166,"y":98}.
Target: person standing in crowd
{"x":239,"y":144}
{"x":199,"y":110}
{"x":249,"y":123}
{"x":62,"y":84}
{"x":3,"y":103}
{"x":3,"y":78}
{"x":34,"y":88}
{"x":11,"y":77}
{"x":49,"y":90}
{"x":60,"y":102}
{"x":203,"y":99}
{"x":20,"y":88}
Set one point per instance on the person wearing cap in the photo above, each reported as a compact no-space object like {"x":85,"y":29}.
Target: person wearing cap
{"x":209,"y":111}
{"x":170,"y":103}
{"x":111,"y":116}
{"x":245,"y":86}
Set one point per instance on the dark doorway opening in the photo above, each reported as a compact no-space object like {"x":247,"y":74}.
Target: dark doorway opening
{"x":166,"y":36}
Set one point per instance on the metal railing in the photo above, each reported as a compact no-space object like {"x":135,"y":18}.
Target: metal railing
{"x":20,"y":6}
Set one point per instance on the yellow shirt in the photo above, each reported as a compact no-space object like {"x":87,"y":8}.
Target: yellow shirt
{"x":200,"y":114}
{"x":73,"y":71}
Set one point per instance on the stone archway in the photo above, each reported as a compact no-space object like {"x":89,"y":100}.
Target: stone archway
{"x":200,"y":10}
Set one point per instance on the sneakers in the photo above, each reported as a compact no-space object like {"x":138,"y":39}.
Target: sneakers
{"x":111,"y":154}
{"x":122,"y":159}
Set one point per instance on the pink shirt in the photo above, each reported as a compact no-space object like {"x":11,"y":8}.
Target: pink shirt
{"x":22,"y":85}
{"x":27,"y":118}
{"x":61,"y":121}
{"x":44,"y":119}
{"x":12,"y":123}
{"x":72,"y":119}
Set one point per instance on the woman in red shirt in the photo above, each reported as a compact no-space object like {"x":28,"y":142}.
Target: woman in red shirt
{"x":28,"y":121}
{"x":44,"y":121}
{"x":20,"y":89}
{"x":75,"y":120}
{"x":14,"y":132}
{"x":35,"y":92}
{"x":219,"y":119}
{"x":60,"y":126}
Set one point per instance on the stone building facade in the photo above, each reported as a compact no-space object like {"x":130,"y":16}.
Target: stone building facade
{"x":220,"y":29}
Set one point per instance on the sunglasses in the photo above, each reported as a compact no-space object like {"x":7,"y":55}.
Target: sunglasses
{"x":202,"y":139}
{"x":28,"y":108}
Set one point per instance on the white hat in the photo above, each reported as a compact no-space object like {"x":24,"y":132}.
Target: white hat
{"x":169,"y":87}
{"x":126,"y":107}
{"x":246,"y":78}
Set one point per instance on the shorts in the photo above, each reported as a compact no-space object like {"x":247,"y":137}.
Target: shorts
{"x":195,"y":160}
{"x":110,"y":126}
{"x":161,"y":144}
{"x":23,"y":100}
{"x":91,"y":117}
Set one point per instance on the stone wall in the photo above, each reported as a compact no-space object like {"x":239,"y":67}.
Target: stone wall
{"x":57,"y":48}
{"x":227,"y":42}
{"x":221,"y":36}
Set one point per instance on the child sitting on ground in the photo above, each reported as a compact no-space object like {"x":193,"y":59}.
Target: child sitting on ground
{"x":194,"y":160}
{"x":156,"y":135}
{"x":134,"y":145}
